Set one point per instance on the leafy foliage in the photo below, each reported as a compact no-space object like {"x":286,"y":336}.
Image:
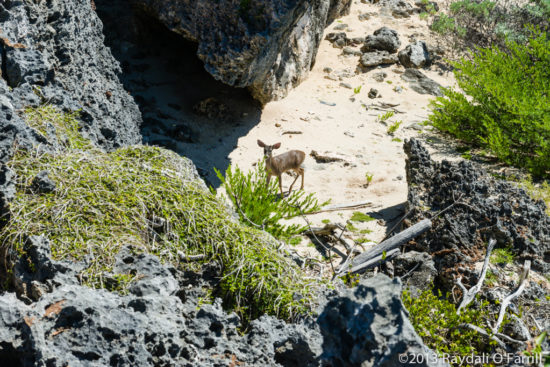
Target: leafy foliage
{"x":361,"y":217}
{"x":437,"y":323}
{"x":508,"y":108}
{"x":471,"y":23}
{"x":258,"y":204}
{"x":393,"y":127}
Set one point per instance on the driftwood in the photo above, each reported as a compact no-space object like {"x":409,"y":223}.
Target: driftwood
{"x":324,"y":158}
{"x":291,"y":132}
{"x":469,"y":295}
{"x":393,"y":242}
{"x":375,"y":261}
{"x":521,"y":286}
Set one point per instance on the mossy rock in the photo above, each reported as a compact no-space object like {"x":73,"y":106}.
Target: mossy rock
{"x":151,"y":199}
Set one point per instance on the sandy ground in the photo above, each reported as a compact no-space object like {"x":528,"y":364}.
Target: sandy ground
{"x":333,"y":121}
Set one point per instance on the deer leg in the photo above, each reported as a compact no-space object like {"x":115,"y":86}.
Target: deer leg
{"x":281,"y":185}
{"x":302,"y":173}
{"x":292,"y":184}
{"x":268,"y":179}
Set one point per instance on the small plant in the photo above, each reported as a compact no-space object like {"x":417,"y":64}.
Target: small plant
{"x":368,"y":177}
{"x":384,"y":117}
{"x":538,"y":191}
{"x":435,"y":320}
{"x":491,"y":278}
{"x":397,"y":140}
{"x":295,"y":240}
{"x":357,"y":90}
{"x":502,"y":256}
{"x":350,"y":227}
{"x":535,"y":350}
{"x":325,"y":221}
{"x":393,"y":127}
{"x":361,"y":217}
{"x":258,"y":206}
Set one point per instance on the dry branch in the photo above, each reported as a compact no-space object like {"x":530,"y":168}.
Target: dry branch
{"x":393,"y":242}
{"x":469,"y":295}
{"x":522,"y":283}
{"x":375,"y":261}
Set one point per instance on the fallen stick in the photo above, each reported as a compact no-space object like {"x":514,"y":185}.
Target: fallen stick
{"x":485,"y":334}
{"x":374,"y":261}
{"x":291,"y":132}
{"x":522,"y":283}
{"x":349,"y":206}
{"x":190,"y":258}
{"x":469,"y":295}
{"x":393,"y":242}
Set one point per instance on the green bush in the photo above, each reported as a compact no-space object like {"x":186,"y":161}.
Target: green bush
{"x":258,"y":204}
{"x":435,"y":320}
{"x":148,"y":198}
{"x":471,"y":23}
{"x":507,"y":107}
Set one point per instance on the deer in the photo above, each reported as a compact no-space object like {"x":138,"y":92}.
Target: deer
{"x":276,"y":166}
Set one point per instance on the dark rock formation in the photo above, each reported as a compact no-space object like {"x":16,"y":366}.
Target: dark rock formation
{"x":53,"y":52}
{"x":267,"y":46}
{"x":415,"y":55}
{"x":420,"y":83}
{"x":383,"y":39}
{"x":338,"y":40}
{"x":372,"y":59}
{"x":42,"y":183}
{"x":479,"y":207}
{"x":416,"y":269}
{"x":159,"y":322}
{"x":367,"y":325}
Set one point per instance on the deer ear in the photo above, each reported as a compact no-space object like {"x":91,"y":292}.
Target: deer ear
{"x":261,"y":143}
{"x":276,"y":146}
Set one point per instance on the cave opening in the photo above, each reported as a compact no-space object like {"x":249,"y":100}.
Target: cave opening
{"x":183,"y":107}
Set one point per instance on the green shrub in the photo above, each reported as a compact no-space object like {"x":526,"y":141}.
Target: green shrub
{"x":502,"y":256}
{"x":148,"y":198}
{"x":435,"y":320}
{"x":472,"y":23}
{"x":508,"y":108}
{"x":258,"y":204}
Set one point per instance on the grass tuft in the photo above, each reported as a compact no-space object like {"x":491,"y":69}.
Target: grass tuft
{"x":148,"y":198}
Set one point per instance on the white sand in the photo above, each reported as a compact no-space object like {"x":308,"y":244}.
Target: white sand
{"x":348,"y":130}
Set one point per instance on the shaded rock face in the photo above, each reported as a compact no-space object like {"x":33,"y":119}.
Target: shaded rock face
{"x":159,"y":323}
{"x":420,"y":83}
{"x":484,"y":208}
{"x":369,"y":327}
{"x":53,"y":52}
{"x":267,"y":46}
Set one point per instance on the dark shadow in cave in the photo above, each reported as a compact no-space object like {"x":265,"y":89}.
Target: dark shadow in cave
{"x":166,"y":78}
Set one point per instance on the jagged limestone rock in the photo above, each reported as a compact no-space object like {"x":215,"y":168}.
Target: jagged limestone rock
{"x":268,"y":45}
